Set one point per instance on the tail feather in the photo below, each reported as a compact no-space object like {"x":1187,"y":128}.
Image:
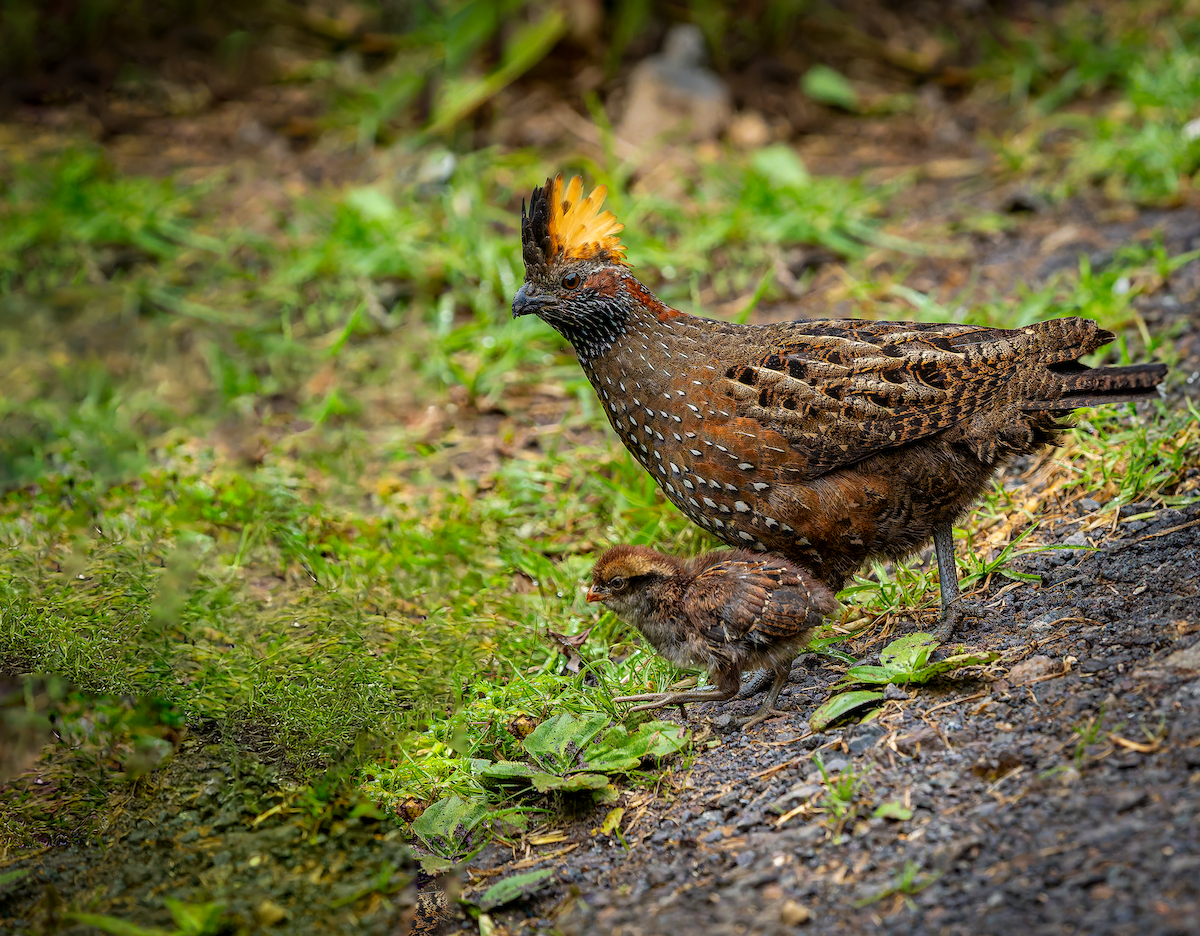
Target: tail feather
{"x":1063,"y":340}
{"x":1095,"y":386}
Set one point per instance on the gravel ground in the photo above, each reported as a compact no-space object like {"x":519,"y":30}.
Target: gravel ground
{"x":1023,"y":828}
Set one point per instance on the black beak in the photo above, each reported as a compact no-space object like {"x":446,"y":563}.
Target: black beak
{"x":528,"y":301}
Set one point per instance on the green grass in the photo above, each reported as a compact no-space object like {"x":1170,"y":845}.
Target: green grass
{"x":219,"y":490}
{"x":1104,"y":93}
{"x":291,"y":478}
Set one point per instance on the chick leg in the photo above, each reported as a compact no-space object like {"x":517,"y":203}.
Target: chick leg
{"x":768,"y":710}
{"x":653,"y":700}
{"x":954,"y":610}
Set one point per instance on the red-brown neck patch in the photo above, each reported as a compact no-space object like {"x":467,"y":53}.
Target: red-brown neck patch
{"x":652,"y":302}
{"x":605,"y":282}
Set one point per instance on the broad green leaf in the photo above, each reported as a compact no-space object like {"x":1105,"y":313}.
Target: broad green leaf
{"x":372,"y":204}
{"x":575,"y":783}
{"x":958,"y":661}
{"x":614,"y":760}
{"x":445,"y":825}
{"x":516,"y":772}
{"x":905,"y":660}
{"x":781,"y":166}
{"x":908,"y":653}
{"x":512,"y":888}
{"x":620,"y":751}
{"x":556,"y":744}
{"x":610,"y":794}
{"x":663,"y":738}
{"x":879,"y":675}
{"x":840,"y":705}
{"x":435,"y":864}
{"x":611,"y":821}
{"x":826,"y":86}
{"x":893,"y":810}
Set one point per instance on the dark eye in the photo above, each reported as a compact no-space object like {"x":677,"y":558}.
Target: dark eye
{"x":617,"y":583}
{"x":570,"y":281}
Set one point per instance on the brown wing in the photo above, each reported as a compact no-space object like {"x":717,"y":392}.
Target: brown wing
{"x":840,"y":390}
{"x":756,"y":599}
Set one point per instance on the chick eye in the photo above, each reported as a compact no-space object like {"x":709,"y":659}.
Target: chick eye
{"x":617,"y":584}
{"x":570,"y":281}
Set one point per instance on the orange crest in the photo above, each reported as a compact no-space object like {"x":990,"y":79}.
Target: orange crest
{"x":578,"y":229}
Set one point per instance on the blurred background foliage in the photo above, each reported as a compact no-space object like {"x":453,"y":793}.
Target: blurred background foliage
{"x":272,"y":448}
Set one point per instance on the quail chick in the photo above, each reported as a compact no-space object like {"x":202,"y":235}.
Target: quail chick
{"x":724,"y":611}
{"x":828,"y":442}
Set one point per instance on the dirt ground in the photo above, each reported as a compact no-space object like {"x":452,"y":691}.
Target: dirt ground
{"x":1055,"y":791}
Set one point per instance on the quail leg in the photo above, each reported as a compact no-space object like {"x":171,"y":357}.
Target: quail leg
{"x":767,"y":709}
{"x":954,"y":609}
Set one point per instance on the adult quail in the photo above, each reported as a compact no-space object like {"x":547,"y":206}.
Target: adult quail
{"x":725,"y":611}
{"x":829,"y":442}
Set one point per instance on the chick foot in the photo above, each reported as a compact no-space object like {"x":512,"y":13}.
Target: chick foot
{"x":654,"y":700}
{"x":767,"y":709}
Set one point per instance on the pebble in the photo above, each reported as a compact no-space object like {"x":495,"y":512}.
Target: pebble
{"x":794,"y":914}
{"x":1028,"y":670}
{"x":747,"y":819}
{"x":1125,"y":800}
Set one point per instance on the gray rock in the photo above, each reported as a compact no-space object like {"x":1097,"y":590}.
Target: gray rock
{"x":672,"y":94}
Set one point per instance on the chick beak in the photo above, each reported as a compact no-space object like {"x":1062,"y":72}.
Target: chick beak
{"x":596,"y":594}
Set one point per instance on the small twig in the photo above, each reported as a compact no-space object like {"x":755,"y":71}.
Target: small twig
{"x":942,"y":705}
{"x":1141,"y":748}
